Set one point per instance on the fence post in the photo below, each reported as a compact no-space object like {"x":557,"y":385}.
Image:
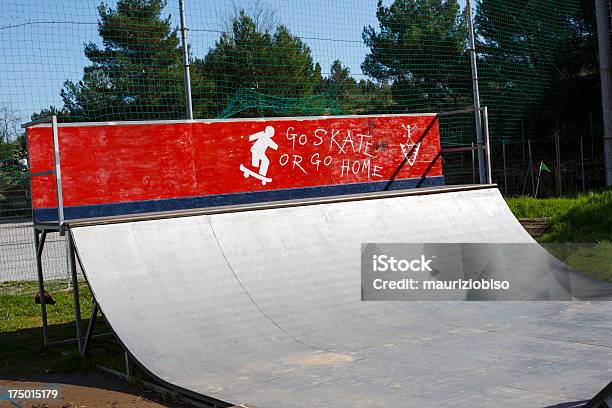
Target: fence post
{"x":505,"y":174}
{"x":523,"y":141}
{"x":592,"y":138}
{"x":582,"y":165}
{"x":487,"y":143}
{"x":188,"y":102}
{"x":58,"y":174}
{"x":473,"y":165}
{"x":558,"y":156}
{"x":477,"y":112}
{"x":602,"y":13}
{"x":531,"y":168}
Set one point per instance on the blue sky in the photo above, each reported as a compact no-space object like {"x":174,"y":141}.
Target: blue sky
{"x":41,"y":41}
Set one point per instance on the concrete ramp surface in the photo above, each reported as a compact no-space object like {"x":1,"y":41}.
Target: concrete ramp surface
{"x":263,"y":308}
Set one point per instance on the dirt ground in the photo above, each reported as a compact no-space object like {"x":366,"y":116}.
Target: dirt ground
{"x":83,"y":390}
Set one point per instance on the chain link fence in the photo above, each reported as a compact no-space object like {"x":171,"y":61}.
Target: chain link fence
{"x":18,"y":256}
{"x":123,"y":60}
{"x":17,"y":250}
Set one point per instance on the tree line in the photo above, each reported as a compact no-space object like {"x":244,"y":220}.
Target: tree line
{"x":537,"y":62}
{"x":530,"y":58}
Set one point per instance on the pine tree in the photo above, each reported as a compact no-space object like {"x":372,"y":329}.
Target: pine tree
{"x":341,"y":86}
{"x":136,"y":73}
{"x":420,"y":50}
{"x":523,"y":49}
{"x":273,"y":64}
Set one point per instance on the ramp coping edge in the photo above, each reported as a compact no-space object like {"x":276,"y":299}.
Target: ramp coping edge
{"x":275,"y":204}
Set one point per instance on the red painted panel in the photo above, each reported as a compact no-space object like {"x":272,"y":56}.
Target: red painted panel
{"x":40,"y":159}
{"x":122,"y":162}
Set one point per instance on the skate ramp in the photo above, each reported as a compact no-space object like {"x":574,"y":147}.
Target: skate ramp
{"x":263,"y":307}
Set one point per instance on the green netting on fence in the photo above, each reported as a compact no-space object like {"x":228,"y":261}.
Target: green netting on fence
{"x":122,"y":60}
{"x":522,"y":50}
{"x":247,"y":102}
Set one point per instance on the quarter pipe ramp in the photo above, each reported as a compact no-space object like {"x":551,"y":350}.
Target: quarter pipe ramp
{"x":262,"y":307}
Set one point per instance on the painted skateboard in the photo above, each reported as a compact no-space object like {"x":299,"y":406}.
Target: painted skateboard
{"x":248,"y":172}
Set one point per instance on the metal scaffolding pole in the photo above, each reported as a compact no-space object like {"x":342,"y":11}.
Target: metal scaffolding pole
{"x":602,"y":9}
{"x":75,"y":289}
{"x":505,"y":171}
{"x":39,"y":242}
{"x":487,"y":144}
{"x":188,"y":102}
{"x":477,"y":112}
{"x":58,"y":174}
{"x":531,"y":168}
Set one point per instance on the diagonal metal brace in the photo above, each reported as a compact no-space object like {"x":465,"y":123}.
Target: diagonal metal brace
{"x":90,"y":328}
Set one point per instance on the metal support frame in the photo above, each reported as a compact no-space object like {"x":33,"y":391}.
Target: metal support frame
{"x":90,"y":328}
{"x":458,"y":149}
{"x":39,"y":245}
{"x":473,"y":165}
{"x":83,"y":341}
{"x":128,"y":364}
{"x":40,"y":235}
{"x":56,"y":166}
{"x":58,"y":175}
{"x":162,"y":390}
{"x":75,"y":288}
{"x":487,"y":144}
{"x":467,"y":109}
{"x":483,"y":147}
{"x":184,"y":45}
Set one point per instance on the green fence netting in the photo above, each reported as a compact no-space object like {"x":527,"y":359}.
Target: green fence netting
{"x":123,"y":60}
{"x":87,"y":60}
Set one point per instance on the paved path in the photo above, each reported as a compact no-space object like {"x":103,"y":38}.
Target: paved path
{"x":17,"y":257}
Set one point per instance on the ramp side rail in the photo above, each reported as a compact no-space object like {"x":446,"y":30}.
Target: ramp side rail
{"x":484,"y":146}
{"x":56,"y":164}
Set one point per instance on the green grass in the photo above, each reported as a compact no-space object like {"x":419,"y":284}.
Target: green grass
{"x":586,"y":218}
{"x":580,"y":232}
{"x":594,"y":260}
{"x":21,"y":342}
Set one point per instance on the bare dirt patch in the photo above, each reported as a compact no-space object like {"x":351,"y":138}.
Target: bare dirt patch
{"x":83,"y":390}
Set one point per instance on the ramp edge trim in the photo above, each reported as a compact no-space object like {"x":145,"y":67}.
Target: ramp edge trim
{"x":276,"y":204}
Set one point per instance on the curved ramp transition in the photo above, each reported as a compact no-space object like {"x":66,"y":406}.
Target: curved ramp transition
{"x":263,"y":308}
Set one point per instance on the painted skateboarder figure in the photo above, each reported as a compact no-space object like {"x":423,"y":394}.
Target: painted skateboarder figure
{"x":263,"y":141}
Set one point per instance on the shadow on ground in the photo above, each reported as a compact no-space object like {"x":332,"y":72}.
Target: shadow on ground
{"x":575,"y":404}
{"x":26,"y":364}
{"x":22,"y":351}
